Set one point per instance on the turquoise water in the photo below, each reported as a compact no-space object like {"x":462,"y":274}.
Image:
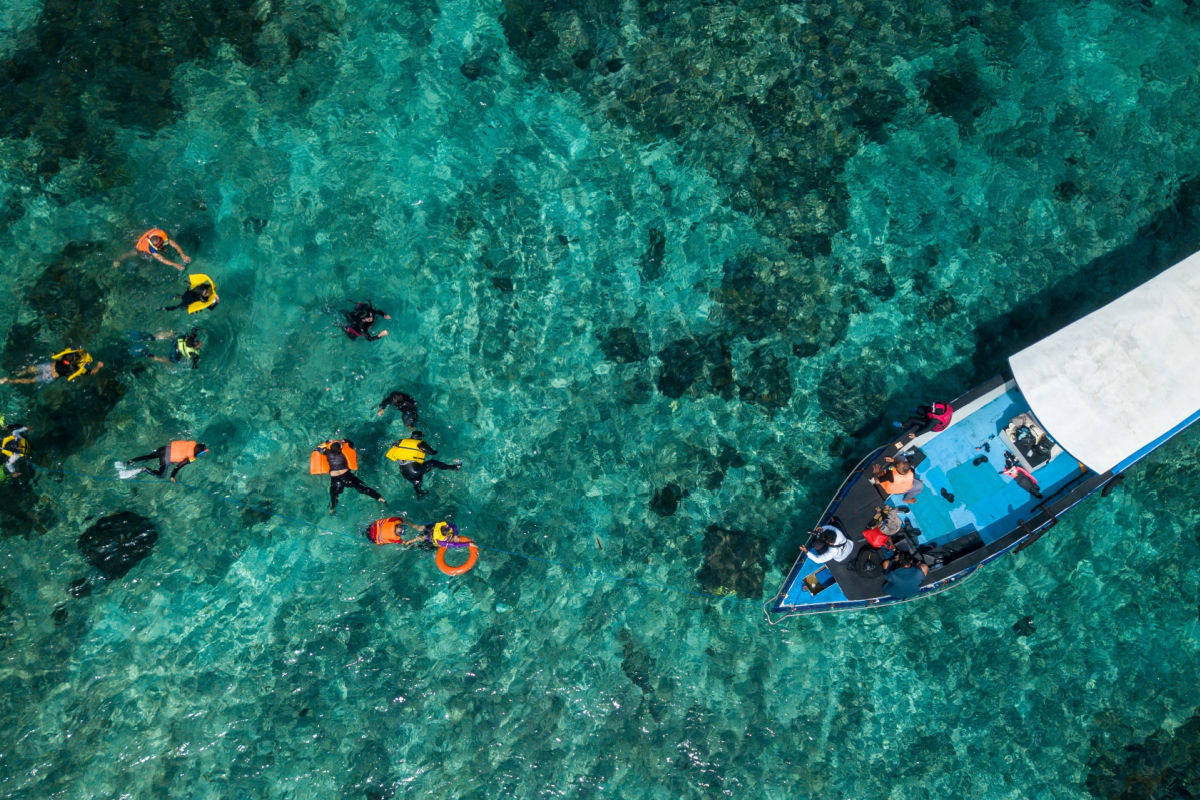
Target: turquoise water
{"x":656,"y":275}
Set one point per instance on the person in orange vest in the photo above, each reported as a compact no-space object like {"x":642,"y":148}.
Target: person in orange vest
{"x":180,"y":453}
{"x":897,"y":478}
{"x":338,"y":460}
{"x":152,"y":243}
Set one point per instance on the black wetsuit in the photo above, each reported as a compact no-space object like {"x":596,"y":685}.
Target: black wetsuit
{"x":338,"y":483}
{"x":164,"y":461}
{"x":360,"y":320}
{"x":406,"y":405}
{"x":414,"y":472}
{"x":197,"y":295}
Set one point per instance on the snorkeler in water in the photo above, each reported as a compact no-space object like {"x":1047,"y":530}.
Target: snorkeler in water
{"x":412,"y":456}
{"x":406,"y":405}
{"x":71,"y":363}
{"x":180,"y":453}
{"x":201,"y":294}
{"x":187,"y":348}
{"x":359,"y":322}
{"x":152,"y":243}
{"x":338,"y":460}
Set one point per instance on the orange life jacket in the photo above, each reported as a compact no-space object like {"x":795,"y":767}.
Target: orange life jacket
{"x":318,"y":464}
{"x":181,"y":451}
{"x":899,"y":484}
{"x":386,"y":531}
{"x":144,"y":245}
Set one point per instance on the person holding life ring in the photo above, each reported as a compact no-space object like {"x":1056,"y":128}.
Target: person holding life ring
{"x":441,"y":535}
{"x":152,"y":243}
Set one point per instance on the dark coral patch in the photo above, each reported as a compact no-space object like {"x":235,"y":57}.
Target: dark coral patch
{"x":734,"y":563}
{"x":116,"y":543}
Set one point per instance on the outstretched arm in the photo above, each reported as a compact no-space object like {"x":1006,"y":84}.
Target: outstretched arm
{"x":186,"y":258}
{"x":165,"y":260}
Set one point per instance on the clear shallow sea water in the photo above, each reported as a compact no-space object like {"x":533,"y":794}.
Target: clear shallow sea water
{"x":629,"y":251}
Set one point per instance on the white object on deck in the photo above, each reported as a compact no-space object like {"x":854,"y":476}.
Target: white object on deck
{"x":1112,"y":383}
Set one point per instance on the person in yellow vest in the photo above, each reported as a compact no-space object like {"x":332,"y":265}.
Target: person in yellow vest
{"x":897,"y":478}
{"x":412,"y":454}
{"x":152,"y":243}
{"x":13,"y":446}
{"x":72,"y":363}
{"x":179,"y":453}
{"x":201,"y":294}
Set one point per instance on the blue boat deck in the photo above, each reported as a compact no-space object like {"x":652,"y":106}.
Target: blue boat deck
{"x":984,"y":500}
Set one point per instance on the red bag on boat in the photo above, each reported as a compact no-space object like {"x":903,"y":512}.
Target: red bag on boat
{"x":875,"y":537}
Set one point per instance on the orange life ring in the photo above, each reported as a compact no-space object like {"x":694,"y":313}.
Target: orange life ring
{"x":461,"y":569}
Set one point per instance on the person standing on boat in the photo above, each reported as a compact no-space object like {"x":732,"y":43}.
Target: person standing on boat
{"x":897,"y":478}
{"x":828,"y":544}
{"x":903,"y":576}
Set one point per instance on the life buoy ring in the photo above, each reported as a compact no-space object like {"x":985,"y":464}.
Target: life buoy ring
{"x":463,"y":568}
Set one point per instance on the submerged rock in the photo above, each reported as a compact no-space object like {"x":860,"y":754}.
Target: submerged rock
{"x":734,"y":563}
{"x":622,"y":345}
{"x":116,"y":543}
{"x":666,"y":500}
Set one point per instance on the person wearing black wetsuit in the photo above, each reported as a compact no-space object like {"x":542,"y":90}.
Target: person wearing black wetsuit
{"x":411,"y":454}
{"x":405,"y":404}
{"x":359,"y":322}
{"x":340,"y":475}
{"x":178,"y":453}
{"x":198,"y":294}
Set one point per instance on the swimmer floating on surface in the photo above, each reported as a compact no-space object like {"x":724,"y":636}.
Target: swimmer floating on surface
{"x":359,"y":322}
{"x":201,"y":294}
{"x":411,"y":454}
{"x":152,"y":243}
{"x":405,"y":404}
{"x":72,"y":363}
{"x":179,"y":453}
{"x":338,"y":459}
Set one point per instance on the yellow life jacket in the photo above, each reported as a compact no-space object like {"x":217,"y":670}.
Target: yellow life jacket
{"x":442,"y":532}
{"x":85,"y":358}
{"x":185,"y":350}
{"x":12,"y":446}
{"x":200,"y":305}
{"x":407,"y":450}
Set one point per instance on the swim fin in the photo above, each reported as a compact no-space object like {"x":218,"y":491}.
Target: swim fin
{"x":949,"y":497}
{"x":124,"y":472}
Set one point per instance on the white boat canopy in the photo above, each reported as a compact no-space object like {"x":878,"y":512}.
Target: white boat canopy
{"x":1122,"y":377}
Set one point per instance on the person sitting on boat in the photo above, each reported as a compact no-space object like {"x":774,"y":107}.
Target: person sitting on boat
{"x":933,"y":417}
{"x":1014,"y":470}
{"x":897,"y":478}
{"x":828,"y":544}
{"x":884,"y":525}
{"x":903,"y":575}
